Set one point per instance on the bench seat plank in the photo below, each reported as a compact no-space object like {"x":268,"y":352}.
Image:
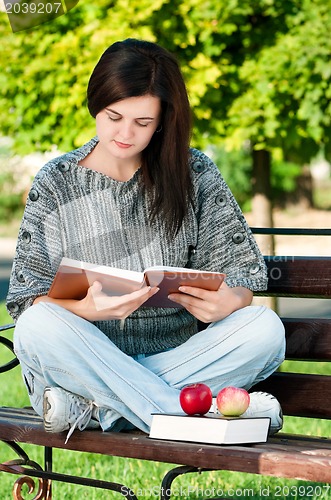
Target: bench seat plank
{"x":282,"y":456}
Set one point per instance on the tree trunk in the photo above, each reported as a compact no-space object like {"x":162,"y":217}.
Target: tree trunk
{"x":262,"y":208}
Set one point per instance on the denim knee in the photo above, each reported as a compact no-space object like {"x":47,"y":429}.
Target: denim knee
{"x":31,"y":321}
{"x":270,"y":333}
{"x":33,"y":328}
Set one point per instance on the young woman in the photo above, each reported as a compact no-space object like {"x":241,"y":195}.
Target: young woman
{"x":132,"y":197}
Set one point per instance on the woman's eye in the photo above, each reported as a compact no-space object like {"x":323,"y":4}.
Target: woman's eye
{"x":118,"y":118}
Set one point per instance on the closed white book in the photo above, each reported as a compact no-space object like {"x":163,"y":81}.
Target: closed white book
{"x":210,"y":428}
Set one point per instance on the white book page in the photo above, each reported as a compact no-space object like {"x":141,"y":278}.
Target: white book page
{"x":110,"y":271}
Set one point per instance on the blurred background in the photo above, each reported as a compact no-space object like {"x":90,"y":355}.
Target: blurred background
{"x":258,"y":74}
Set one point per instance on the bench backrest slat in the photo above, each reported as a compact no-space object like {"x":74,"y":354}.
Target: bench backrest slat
{"x":300,"y":394}
{"x":308,"y":339}
{"x":299,"y":276}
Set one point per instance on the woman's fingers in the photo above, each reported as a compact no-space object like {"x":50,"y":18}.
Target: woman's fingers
{"x":117,"y":307}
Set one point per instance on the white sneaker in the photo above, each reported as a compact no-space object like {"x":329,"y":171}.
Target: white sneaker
{"x":63,"y":410}
{"x":263,"y":404}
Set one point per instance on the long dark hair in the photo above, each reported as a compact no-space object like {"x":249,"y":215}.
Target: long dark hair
{"x":133,"y":68}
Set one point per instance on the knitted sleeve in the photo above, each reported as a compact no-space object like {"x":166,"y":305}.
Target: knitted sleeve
{"x":225,"y":241}
{"x":39,"y":247}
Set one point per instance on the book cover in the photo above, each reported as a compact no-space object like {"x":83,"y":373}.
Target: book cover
{"x":210,"y":428}
{"x":74,"y":277}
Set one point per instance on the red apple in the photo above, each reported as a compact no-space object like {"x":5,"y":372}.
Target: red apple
{"x":196,"y":399}
{"x":232,"y":401}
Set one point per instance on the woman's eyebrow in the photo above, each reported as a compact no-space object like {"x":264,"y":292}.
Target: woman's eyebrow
{"x":113,"y":111}
{"x":138,"y":118}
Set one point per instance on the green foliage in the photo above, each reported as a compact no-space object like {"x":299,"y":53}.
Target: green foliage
{"x":286,"y":101}
{"x":11,"y":200}
{"x":45,"y":70}
{"x":256,"y":71}
{"x":5,"y":319}
{"x":236,"y":166}
{"x":283,"y":178}
{"x":322,"y":197}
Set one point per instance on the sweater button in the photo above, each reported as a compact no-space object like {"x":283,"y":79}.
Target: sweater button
{"x":238,"y":238}
{"x":33,"y":195}
{"x":26,"y":237}
{"x":13,"y":307}
{"x":198,"y":166}
{"x":220,"y":199}
{"x":20,"y":276}
{"x":254,"y":268}
{"x":64,"y":166}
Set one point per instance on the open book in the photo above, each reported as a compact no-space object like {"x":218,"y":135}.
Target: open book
{"x":74,"y":277}
{"x":210,"y":428}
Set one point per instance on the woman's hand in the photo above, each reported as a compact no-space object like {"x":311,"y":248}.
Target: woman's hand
{"x":208,"y":306}
{"x":98,"y":306}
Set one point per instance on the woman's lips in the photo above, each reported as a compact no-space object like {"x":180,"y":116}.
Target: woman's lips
{"x":122,"y":145}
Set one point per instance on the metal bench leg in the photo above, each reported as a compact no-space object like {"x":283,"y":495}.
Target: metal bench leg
{"x":168,"y":479}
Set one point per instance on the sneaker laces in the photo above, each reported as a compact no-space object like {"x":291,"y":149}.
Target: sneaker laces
{"x":80,"y":414}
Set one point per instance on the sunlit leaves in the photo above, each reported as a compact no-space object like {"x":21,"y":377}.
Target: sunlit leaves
{"x":255,"y":70}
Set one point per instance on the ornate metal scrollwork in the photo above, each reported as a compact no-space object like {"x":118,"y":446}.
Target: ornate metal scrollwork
{"x":8,"y":343}
{"x":45,"y":477}
{"x":44,"y":491}
{"x":15,"y":467}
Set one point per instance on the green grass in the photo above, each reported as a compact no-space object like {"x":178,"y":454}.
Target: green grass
{"x":145,"y":477}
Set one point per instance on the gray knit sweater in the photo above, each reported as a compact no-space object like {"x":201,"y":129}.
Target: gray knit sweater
{"x":82,"y":214}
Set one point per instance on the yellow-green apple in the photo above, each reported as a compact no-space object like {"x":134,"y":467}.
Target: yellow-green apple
{"x":232,"y":401}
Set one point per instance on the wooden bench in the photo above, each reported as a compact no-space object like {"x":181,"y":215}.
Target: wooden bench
{"x":284,"y":455}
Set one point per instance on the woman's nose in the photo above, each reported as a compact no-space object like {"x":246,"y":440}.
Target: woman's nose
{"x":126,"y":130}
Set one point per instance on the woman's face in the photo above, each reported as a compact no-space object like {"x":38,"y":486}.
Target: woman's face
{"x":126,"y":127}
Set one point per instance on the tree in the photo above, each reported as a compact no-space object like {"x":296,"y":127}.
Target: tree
{"x":286,"y":106}
{"x":44,"y":71}
{"x":258,"y":73}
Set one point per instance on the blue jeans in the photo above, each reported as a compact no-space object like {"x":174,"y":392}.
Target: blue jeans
{"x":57,"y":348}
